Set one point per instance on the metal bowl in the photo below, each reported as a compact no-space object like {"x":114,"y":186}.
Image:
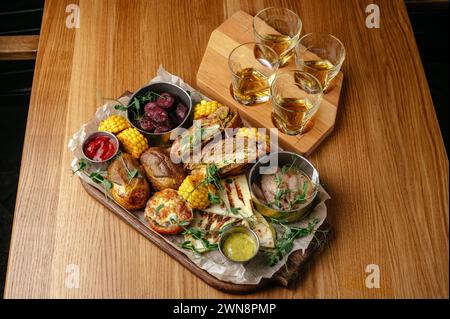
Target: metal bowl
{"x":238,"y":229}
{"x":163,"y":139}
{"x":94,"y":135}
{"x":270,"y":163}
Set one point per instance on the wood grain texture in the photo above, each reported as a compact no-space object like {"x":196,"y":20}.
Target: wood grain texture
{"x":18,"y":47}
{"x":214,"y":80}
{"x":384,"y":165}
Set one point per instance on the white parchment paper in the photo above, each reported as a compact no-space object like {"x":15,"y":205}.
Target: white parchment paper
{"x":213,"y":262}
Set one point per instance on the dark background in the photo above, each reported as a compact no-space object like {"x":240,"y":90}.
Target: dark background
{"x":428,"y":18}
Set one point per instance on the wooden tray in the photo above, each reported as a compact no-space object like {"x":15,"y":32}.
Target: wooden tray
{"x":213,"y":79}
{"x":286,"y":276}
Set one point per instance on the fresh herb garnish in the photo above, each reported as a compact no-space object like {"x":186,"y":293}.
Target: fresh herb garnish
{"x":214,"y":199}
{"x":287,"y":168}
{"x":98,"y":178}
{"x":285,"y":243}
{"x":212,"y":176}
{"x":158,"y":209}
{"x":235,"y":210}
{"x":300,"y":198}
{"x":197,"y":234}
{"x":82,"y":164}
{"x":135,"y":105}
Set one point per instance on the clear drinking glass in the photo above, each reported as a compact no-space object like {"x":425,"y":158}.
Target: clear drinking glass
{"x":278,"y":28}
{"x":253,"y":67}
{"x":296,"y":97}
{"x":322,"y":55}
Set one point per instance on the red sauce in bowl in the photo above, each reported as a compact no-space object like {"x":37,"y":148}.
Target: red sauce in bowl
{"x":100,"y":148}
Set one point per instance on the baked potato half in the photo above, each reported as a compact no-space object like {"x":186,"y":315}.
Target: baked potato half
{"x":161,"y":171}
{"x":129,"y":187}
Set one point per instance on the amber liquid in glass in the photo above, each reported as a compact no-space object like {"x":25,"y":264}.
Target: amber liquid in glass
{"x":252,"y":86}
{"x":280,"y":44}
{"x":292,"y":115}
{"x":321,"y":69}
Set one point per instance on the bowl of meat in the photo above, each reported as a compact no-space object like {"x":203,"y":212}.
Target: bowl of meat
{"x":157,"y":110}
{"x":284,"y":186}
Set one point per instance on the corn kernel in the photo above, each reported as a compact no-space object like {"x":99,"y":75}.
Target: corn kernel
{"x":133,"y":142}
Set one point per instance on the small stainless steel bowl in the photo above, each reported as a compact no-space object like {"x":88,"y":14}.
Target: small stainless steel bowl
{"x":94,"y":135}
{"x":238,"y":229}
{"x":163,"y":139}
{"x":282,"y":158}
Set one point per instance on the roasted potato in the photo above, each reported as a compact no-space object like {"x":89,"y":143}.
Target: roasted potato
{"x":161,"y":171}
{"x":130,"y":188}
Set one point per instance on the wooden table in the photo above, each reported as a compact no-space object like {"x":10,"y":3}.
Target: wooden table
{"x":385,"y":165}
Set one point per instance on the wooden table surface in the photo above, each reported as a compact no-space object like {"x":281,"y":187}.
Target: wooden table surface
{"x":384,"y":165}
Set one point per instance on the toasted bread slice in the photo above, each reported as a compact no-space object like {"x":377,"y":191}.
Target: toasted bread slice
{"x":231,"y":155}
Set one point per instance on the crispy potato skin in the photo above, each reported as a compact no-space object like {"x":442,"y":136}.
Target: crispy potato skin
{"x":160,"y":170}
{"x":131,"y":194}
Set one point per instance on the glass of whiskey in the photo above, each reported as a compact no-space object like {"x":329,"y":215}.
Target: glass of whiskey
{"x":322,"y":55}
{"x":253,"y":67}
{"x":280,"y":29}
{"x":296,"y":97}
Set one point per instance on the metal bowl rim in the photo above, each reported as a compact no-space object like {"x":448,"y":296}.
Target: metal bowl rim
{"x":308,"y":201}
{"x":240,"y":227}
{"x":175,"y":128}
{"x":90,"y":136}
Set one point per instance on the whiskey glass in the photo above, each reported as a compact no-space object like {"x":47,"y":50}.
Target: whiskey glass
{"x":280,"y":29}
{"x":296,"y":97}
{"x":322,"y":55}
{"x":252,"y":66}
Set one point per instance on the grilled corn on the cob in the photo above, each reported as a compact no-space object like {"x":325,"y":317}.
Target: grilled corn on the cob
{"x":133,"y":142}
{"x":195,"y":192}
{"x":205,"y":108}
{"x":114,"y":124}
{"x":252,"y":133}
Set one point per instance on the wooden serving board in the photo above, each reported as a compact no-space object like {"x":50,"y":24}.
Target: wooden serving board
{"x":287,"y":276}
{"x":214,"y":80}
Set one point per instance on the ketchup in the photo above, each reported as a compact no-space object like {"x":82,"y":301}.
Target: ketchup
{"x":99,"y":148}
